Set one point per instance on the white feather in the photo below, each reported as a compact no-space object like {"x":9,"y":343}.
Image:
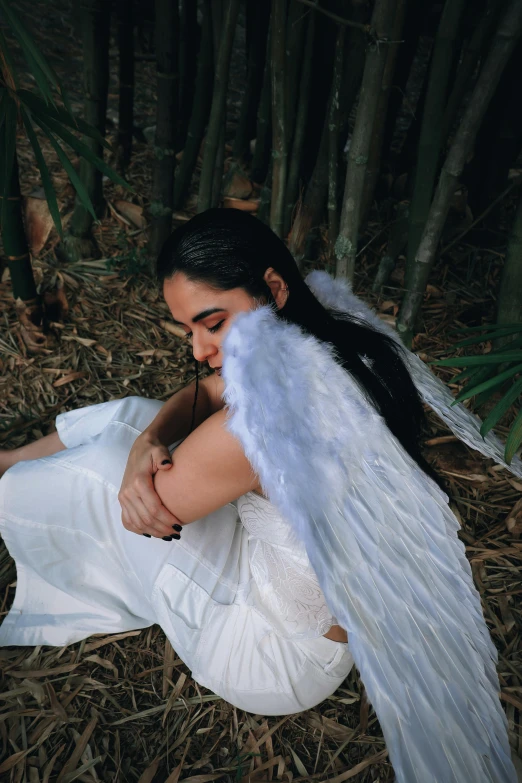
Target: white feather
{"x":384,"y":545}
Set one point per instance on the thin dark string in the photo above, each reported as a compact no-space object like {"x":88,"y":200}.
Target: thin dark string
{"x":195,"y":396}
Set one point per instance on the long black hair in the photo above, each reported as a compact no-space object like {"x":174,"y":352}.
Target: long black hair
{"x":228,"y":248}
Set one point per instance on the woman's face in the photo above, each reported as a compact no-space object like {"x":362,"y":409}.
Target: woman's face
{"x":205,"y":313}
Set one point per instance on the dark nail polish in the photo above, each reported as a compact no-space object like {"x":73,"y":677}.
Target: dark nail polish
{"x":146,"y":535}
{"x":177,"y":527}
{"x":176,"y":536}
{"x":167,"y":538}
{"x":166,"y":462}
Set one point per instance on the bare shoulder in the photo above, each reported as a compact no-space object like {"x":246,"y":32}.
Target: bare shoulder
{"x":209,"y":470}
{"x":214,"y":386}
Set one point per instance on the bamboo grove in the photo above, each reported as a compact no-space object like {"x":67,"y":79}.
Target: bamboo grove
{"x":350,"y":108}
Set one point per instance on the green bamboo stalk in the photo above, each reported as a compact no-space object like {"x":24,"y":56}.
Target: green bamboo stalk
{"x":200,"y":110}
{"x":14,"y":240}
{"x":218,"y":109}
{"x":188,"y":55}
{"x":505,"y":40}
{"x":470,"y":55}
{"x":167,"y":74}
{"x":334,"y":114}
{"x":300,"y":125}
{"x":346,"y":244}
{"x":217,"y":32}
{"x":296,"y":26}
{"x":376,"y":146}
{"x":279,"y":125}
{"x":95,"y":18}
{"x":257,"y":21}
{"x":124,"y":12}
{"x":261,"y":158}
{"x":430,"y":140}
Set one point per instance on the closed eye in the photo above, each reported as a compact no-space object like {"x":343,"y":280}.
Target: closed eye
{"x":211,"y":329}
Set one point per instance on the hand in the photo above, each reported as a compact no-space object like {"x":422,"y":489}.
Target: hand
{"x":142,"y":510}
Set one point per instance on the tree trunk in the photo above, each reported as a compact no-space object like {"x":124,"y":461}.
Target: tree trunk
{"x":200,"y":110}
{"x":95,"y":18}
{"x":216,"y":125}
{"x":257,"y":22}
{"x":334,"y":114}
{"x":189,"y":40}
{"x":374,"y":158}
{"x":503,"y":44}
{"x":431,"y":131}
{"x":279,"y":122}
{"x":167,"y":42}
{"x":124,"y":12}
{"x":296,"y":155}
{"x":261,"y":159}
{"x":346,"y":244}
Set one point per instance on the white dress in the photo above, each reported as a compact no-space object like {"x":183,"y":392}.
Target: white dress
{"x":236,"y":596}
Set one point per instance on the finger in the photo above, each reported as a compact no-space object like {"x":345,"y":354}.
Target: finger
{"x":155,"y":507}
{"x":151,"y":523}
{"x":130,"y":519}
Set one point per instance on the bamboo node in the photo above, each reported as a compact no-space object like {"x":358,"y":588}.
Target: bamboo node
{"x":343,"y":246}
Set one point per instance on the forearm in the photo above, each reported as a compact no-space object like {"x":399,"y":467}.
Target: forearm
{"x":172,"y":423}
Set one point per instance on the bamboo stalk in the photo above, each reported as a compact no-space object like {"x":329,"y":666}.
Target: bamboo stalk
{"x":200,"y":110}
{"x":257,"y":22}
{"x":509,"y":302}
{"x":431,"y":129}
{"x":374,"y":158}
{"x":218,"y":108}
{"x":279,"y":122}
{"x":167,"y":42}
{"x":124,"y":13}
{"x":334,"y":114}
{"x":217,"y":32}
{"x":188,"y":53}
{"x":261,"y":159}
{"x":346,"y":244}
{"x":95,"y":17}
{"x":296,"y":155}
{"x":505,"y":40}
{"x":295,"y":33}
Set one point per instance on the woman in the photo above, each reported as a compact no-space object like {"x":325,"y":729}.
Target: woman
{"x":319,"y":530}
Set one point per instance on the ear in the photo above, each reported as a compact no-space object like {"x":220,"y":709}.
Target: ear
{"x":277,"y":286}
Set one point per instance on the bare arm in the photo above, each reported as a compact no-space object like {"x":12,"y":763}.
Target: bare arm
{"x":210,"y":470}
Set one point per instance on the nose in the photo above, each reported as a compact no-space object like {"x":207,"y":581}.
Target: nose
{"x":202,"y":349}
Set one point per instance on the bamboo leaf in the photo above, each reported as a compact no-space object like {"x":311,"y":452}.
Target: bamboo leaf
{"x":488,"y":336}
{"x":69,"y":168}
{"x":11,"y":71}
{"x":40,"y":108}
{"x":514,"y":439}
{"x":44,"y":171}
{"x":83,"y":150}
{"x":34,"y":57}
{"x":488,"y":358}
{"x":501,"y":407}
{"x":489,"y":384}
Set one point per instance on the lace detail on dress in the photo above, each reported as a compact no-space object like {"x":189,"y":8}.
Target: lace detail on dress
{"x":286,"y":586}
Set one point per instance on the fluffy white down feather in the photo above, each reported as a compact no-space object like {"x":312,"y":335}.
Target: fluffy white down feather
{"x":384,"y":545}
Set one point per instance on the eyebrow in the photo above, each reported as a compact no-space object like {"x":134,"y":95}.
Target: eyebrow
{"x":203,"y":314}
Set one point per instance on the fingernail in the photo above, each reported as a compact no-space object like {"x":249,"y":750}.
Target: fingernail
{"x":166,"y":462}
{"x":177,"y":527}
{"x":167,"y":538}
{"x":146,"y":535}
{"x":176,"y":536}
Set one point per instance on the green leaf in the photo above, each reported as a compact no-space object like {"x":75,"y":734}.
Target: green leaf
{"x":4,"y":48}
{"x":501,"y":407}
{"x":44,"y":171}
{"x":489,"y":384}
{"x":487,"y":358}
{"x":85,"y":152}
{"x":514,"y":439}
{"x":489,"y":336}
{"x":69,"y":168}
{"x":37,"y":62}
{"x":40,"y":108}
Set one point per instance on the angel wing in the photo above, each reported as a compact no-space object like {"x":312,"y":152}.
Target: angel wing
{"x":465,"y":425}
{"x":384,"y":545}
